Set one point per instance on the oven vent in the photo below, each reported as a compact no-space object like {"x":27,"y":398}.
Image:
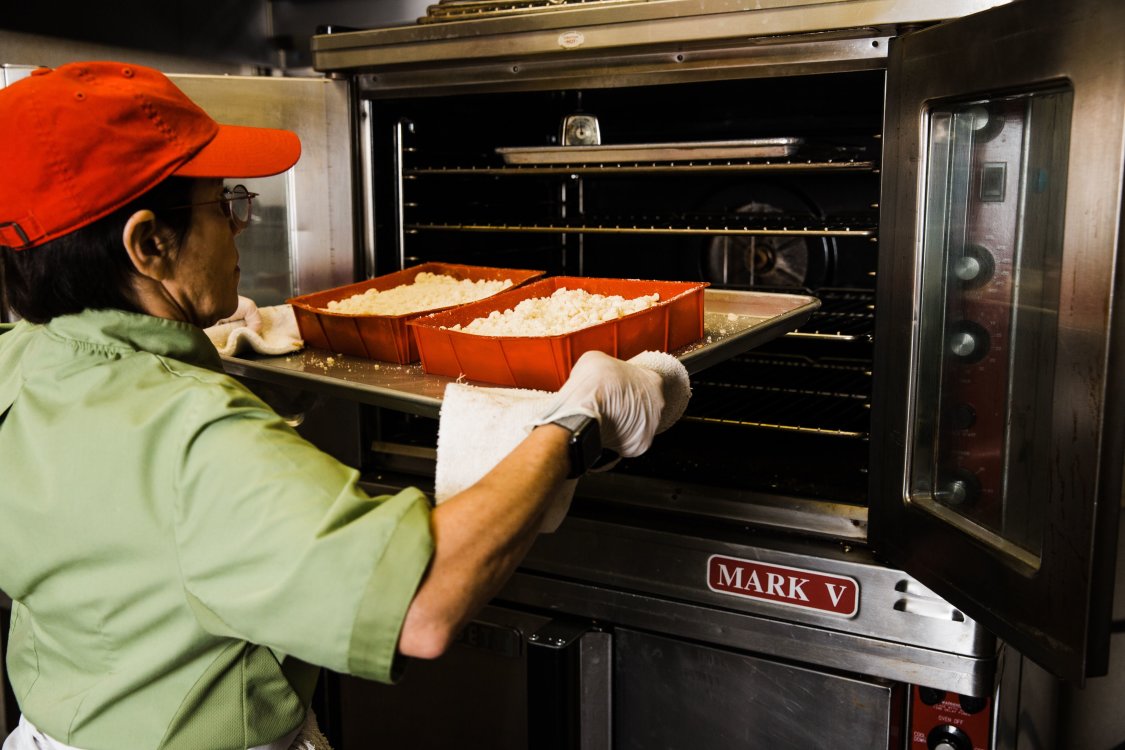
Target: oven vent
{"x":467,"y":10}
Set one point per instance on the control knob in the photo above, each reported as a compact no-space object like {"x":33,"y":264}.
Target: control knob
{"x":947,"y":737}
{"x":961,"y":489}
{"x":969,"y":342}
{"x":975,"y":266}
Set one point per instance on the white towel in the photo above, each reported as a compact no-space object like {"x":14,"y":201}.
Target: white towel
{"x":267,"y":330}
{"x":479,"y":426}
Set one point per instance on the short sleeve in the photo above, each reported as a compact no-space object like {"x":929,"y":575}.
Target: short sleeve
{"x":279,"y":546}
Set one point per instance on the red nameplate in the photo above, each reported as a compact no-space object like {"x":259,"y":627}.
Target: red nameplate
{"x":793,"y":587}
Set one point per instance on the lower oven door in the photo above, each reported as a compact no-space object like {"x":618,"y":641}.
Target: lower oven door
{"x":518,"y":680}
{"x":512,"y":680}
{"x":997,"y":428}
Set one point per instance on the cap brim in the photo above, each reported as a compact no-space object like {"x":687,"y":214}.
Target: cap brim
{"x":239,"y":151}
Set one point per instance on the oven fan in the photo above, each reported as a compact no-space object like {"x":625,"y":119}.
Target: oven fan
{"x":779,"y":261}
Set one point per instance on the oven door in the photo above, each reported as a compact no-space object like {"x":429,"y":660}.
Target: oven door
{"x":996,"y":426}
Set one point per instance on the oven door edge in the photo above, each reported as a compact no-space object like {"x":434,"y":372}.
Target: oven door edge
{"x":1054,"y":604}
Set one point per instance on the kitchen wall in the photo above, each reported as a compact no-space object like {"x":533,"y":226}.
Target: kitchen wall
{"x":202,"y":36}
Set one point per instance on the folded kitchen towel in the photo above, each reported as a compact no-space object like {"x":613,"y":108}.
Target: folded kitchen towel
{"x":266,"y":330}
{"x":677,"y":384}
{"x":479,"y":426}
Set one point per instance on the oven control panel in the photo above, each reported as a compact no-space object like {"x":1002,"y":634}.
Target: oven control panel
{"x":942,"y":720}
{"x":988,"y":294}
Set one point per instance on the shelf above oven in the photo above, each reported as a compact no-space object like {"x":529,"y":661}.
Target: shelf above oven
{"x":734,"y":322}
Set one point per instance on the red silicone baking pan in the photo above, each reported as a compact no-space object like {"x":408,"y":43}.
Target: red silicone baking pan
{"x":382,"y":337}
{"x":544,"y":362}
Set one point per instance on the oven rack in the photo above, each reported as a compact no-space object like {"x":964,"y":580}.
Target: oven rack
{"x":656,"y":167}
{"x":771,"y":225}
{"x":817,"y":405}
{"x":845,"y":315}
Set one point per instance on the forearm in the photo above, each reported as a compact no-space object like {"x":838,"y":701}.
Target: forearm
{"x":480,"y":536}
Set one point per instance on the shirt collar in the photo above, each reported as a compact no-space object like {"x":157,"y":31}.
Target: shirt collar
{"x":113,"y":332}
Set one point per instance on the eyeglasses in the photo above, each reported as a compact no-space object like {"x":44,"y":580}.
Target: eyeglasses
{"x":237,"y":203}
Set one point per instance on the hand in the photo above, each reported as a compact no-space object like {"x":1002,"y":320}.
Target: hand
{"x":627,"y":400}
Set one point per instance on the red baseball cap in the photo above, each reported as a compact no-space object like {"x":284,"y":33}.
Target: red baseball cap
{"x":82,"y":140}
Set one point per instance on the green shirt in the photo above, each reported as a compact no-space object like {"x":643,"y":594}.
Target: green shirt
{"x":175,"y":551}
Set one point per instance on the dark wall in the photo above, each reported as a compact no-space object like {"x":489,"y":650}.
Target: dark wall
{"x":234,"y":32}
{"x":267,"y":33}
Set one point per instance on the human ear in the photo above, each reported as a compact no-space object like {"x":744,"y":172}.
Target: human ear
{"x":146,"y":245}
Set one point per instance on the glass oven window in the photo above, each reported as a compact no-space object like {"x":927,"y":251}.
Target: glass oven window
{"x":987,"y":315}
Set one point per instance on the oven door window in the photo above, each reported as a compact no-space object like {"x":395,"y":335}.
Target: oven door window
{"x":987,"y":319}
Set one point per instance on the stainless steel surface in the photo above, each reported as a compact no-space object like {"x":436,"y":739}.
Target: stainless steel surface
{"x":820,"y":518}
{"x":673,"y":23}
{"x":602,"y":154}
{"x":740,"y":700}
{"x":400,"y":148}
{"x":596,"y":666}
{"x":454,"y":10}
{"x":365,"y":149}
{"x":733,"y":323}
{"x":1080,"y":422}
{"x":10,"y":73}
{"x":779,"y":639}
{"x":819,"y":53}
{"x":1026,"y":707}
{"x":671,"y":562}
{"x":318,"y":189}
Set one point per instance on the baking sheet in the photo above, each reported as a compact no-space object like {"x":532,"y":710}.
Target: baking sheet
{"x":733,"y":322}
{"x":758,"y":148}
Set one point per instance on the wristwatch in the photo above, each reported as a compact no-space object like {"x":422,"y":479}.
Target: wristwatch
{"x":585,"y":444}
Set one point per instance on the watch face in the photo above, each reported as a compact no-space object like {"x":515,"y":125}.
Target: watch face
{"x":585,"y":442}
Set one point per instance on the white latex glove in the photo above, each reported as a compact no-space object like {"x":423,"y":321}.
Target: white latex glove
{"x":247,"y":312}
{"x":627,"y":400}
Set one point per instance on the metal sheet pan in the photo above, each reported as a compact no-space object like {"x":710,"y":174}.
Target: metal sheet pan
{"x":734,"y":322}
{"x":758,"y":148}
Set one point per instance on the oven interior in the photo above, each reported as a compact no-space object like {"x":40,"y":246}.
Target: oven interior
{"x":789,"y":419}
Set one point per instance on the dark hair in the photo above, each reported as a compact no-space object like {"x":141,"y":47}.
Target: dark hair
{"x":88,"y":269}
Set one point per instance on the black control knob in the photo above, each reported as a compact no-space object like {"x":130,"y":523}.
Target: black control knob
{"x":971,"y":705}
{"x":947,"y":737}
{"x":969,"y":342}
{"x":931,"y":696}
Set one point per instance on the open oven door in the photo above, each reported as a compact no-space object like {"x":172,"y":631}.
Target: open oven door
{"x":997,"y":426}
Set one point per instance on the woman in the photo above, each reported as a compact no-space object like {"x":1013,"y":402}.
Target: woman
{"x":178,"y":556}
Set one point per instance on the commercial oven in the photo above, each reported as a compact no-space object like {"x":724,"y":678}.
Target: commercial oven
{"x":895,"y":526}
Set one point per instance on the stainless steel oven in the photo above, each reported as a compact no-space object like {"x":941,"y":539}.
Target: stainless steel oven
{"x":894,"y":527}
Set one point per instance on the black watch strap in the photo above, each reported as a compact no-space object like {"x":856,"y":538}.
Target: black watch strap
{"x":585,"y":442}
